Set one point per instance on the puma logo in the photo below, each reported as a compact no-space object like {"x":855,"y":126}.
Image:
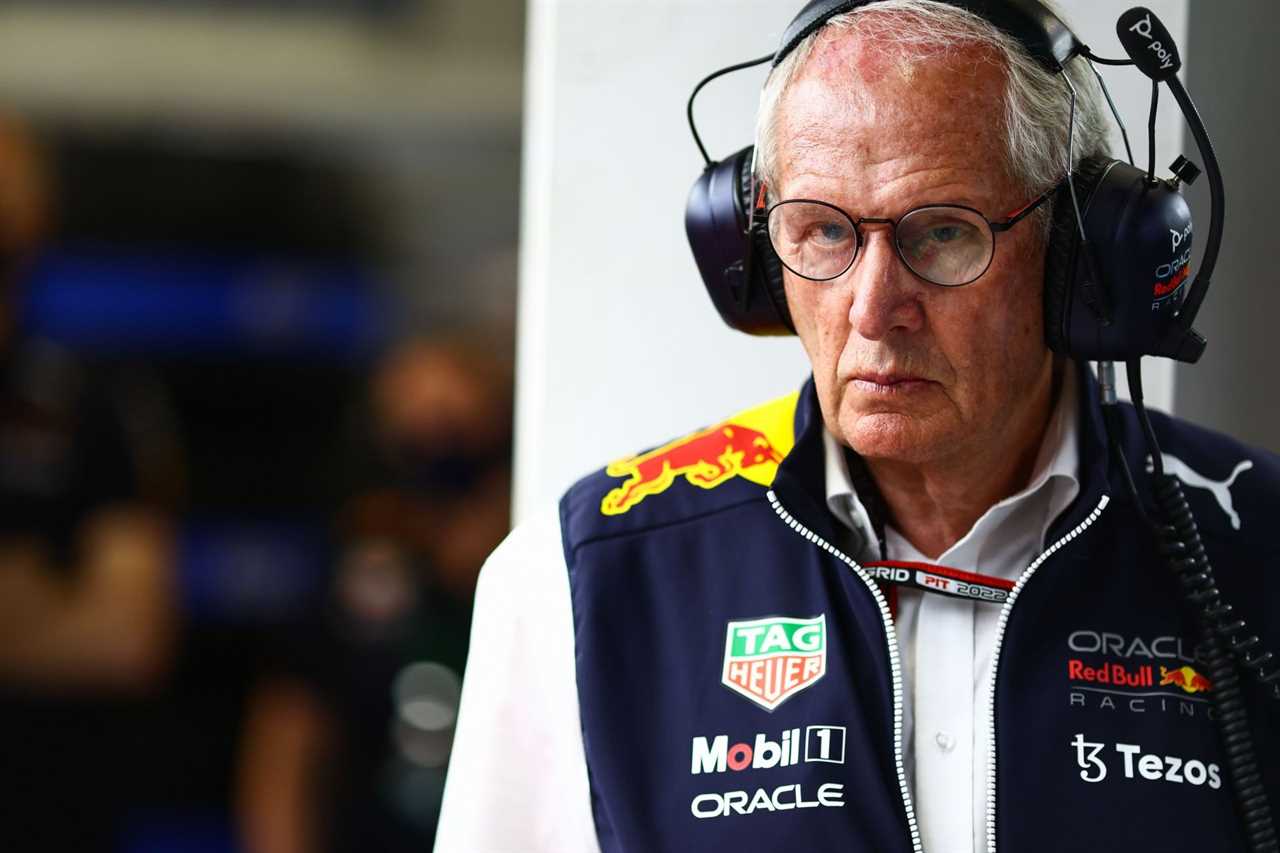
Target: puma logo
{"x":1220,"y":489}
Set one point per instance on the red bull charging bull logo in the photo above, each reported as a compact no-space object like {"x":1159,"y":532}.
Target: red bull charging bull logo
{"x":1186,"y":678}
{"x":748,"y":445}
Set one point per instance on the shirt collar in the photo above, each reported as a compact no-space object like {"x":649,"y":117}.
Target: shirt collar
{"x":1057,"y":465}
{"x":842,"y":498}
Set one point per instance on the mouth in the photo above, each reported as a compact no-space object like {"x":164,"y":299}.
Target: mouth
{"x":889,"y":383}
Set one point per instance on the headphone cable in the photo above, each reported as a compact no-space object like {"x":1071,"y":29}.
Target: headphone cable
{"x":1090,"y":55}
{"x":693,"y":128}
{"x":1222,"y":636}
{"x":1151,"y":132}
{"x":1115,"y":113}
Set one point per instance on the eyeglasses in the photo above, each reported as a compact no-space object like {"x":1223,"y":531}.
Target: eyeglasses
{"x":944,"y":244}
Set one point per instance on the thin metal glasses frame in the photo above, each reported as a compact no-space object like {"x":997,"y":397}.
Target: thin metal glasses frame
{"x":995,"y":227}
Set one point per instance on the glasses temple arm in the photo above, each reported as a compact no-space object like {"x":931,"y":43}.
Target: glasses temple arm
{"x":1019,"y":215}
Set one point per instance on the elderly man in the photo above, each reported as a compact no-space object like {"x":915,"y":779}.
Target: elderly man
{"x":912,"y":606}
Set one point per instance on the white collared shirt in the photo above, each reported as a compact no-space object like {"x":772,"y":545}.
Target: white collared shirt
{"x":946,"y":643}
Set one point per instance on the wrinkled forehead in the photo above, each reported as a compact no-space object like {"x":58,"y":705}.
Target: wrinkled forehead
{"x":866,"y":101}
{"x":879,"y":48}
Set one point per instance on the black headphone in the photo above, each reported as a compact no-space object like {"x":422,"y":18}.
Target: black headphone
{"x":1119,"y":253}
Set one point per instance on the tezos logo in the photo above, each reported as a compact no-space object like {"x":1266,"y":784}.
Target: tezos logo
{"x":1149,"y":766}
{"x":770,"y":660}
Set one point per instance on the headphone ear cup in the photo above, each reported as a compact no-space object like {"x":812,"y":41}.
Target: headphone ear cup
{"x":1062,"y":253}
{"x":766,"y":272}
{"x":742,"y":274}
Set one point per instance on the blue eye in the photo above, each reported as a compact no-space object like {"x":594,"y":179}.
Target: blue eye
{"x":832,"y":232}
{"x":945,"y":233}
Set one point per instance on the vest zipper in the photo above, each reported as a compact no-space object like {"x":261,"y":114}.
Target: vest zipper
{"x":1001,"y":625}
{"x":895,"y":665}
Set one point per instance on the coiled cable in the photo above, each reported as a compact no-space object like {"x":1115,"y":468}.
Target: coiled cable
{"x":1182,"y":548}
{"x":1226,"y":646}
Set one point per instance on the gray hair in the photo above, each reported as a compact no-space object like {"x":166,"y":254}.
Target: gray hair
{"x":1037,"y":112}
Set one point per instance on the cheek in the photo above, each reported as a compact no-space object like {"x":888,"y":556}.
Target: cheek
{"x":1026,"y":304}
{"x":995,"y":331}
{"x":822,"y":326}
{"x":811,"y":312}
{"x":1008,"y":338}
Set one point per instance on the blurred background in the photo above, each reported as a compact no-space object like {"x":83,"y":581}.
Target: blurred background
{"x":257,"y":288}
{"x":258,"y":294}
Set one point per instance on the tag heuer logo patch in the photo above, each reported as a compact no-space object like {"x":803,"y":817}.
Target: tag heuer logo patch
{"x":770,"y":660}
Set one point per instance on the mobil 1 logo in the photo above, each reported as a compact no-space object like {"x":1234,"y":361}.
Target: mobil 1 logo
{"x":813,"y":744}
{"x":822,"y":744}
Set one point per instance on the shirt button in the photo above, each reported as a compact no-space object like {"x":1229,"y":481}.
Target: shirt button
{"x":945,"y":741}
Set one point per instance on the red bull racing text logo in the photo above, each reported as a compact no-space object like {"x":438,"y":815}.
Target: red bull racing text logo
{"x":1138,"y":674}
{"x":748,"y":445}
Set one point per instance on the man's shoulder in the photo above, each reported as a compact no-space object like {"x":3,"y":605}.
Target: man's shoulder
{"x":702,"y":472}
{"x":1190,"y":444}
{"x":524,"y":567}
{"x":1237,"y":483}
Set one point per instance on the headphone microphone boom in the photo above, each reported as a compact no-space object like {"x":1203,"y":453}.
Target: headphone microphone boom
{"x":1155,"y":54}
{"x":1149,"y":44}
{"x":1119,"y":254}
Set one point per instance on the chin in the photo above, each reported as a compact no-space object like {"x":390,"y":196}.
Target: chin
{"x":893,"y":436}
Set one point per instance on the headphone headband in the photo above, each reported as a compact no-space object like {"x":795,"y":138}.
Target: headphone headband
{"x":1030,"y":22}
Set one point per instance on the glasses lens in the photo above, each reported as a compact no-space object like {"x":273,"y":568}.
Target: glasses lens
{"x":946,"y":245}
{"x":812,"y":239}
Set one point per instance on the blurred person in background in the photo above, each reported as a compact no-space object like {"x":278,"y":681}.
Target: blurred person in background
{"x":86,"y":586}
{"x":345,"y":744}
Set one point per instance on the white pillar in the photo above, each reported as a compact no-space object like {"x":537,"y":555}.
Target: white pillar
{"x":619,"y":348}
{"x":1232,"y":80}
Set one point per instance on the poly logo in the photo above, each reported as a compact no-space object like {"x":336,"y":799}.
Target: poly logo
{"x":770,"y":660}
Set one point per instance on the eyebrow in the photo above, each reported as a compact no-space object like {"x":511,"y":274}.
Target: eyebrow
{"x":925,"y":200}
{"x":929,"y":200}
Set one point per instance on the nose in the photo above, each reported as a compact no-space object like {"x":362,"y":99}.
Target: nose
{"x":886,"y":296}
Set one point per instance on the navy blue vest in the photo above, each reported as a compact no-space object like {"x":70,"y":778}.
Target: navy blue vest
{"x":738,"y":688}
